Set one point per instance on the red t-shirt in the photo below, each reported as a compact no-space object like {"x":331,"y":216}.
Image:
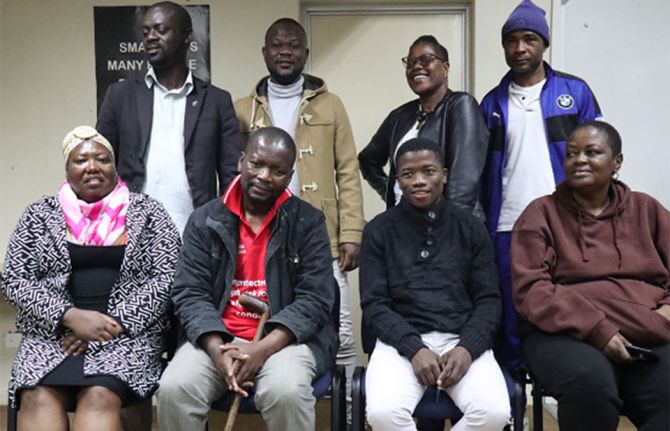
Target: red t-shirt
{"x":250,"y":264}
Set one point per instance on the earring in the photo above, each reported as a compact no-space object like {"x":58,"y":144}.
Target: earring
{"x":615,"y":175}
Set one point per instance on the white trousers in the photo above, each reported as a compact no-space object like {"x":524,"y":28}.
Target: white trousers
{"x":346,"y":355}
{"x":393,"y":391}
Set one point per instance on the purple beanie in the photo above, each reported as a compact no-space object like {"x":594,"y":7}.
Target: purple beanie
{"x":527,"y":16}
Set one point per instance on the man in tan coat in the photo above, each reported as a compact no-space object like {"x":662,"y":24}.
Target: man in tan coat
{"x":326,"y":170}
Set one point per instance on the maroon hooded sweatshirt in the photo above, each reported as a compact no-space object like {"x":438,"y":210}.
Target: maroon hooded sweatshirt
{"x":593,"y":276}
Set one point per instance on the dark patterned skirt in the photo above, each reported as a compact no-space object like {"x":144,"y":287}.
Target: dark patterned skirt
{"x":94,"y":272}
{"x":70,"y":373}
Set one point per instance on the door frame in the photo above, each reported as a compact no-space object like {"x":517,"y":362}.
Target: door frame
{"x":459,"y":10}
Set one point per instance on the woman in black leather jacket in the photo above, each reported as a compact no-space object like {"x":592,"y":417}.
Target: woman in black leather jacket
{"x":450,"y":118}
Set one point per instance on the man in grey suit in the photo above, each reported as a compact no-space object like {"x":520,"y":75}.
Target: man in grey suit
{"x":174,"y":135}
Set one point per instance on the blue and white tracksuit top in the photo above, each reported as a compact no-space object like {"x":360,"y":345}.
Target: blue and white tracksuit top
{"x":566,"y":101}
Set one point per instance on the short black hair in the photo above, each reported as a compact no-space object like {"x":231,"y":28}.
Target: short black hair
{"x":611,"y":134}
{"x":182,"y":15}
{"x":288,"y":22}
{"x":419,"y":144}
{"x":273,"y":135}
{"x":429,"y":39}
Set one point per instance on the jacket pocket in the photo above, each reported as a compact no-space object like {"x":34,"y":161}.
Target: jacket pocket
{"x":315,"y":119}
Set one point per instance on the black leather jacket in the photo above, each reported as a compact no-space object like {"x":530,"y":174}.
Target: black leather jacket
{"x":457,"y":125}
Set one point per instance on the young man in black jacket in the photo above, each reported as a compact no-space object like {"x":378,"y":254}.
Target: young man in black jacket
{"x":429,"y":293}
{"x":261,"y":240}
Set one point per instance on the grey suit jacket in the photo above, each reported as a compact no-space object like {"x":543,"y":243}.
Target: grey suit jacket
{"x":212,"y":141}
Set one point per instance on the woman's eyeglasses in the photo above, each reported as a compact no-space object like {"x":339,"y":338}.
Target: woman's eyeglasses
{"x":425,"y":60}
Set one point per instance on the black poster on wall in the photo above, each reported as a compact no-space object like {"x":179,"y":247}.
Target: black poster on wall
{"x":119,"y":52}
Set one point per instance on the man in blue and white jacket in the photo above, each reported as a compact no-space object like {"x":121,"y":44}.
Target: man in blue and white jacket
{"x":530,"y":115}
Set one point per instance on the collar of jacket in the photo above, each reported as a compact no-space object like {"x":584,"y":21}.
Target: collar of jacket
{"x":432,"y":127}
{"x":198,"y":84}
{"x":145,"y":102}
{"x":226,"y":225}
{"x":433,"y":215}
{"x":503,"y":88}
{"x":311,"y":88}
{"x":439,"y":109}
{"x":409,"y":114}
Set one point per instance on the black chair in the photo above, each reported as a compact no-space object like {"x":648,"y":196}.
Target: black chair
{"x":537,"y":393}
{"x":332,"y":382}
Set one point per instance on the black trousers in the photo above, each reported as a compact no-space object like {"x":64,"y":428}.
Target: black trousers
{"x":592,"y":391}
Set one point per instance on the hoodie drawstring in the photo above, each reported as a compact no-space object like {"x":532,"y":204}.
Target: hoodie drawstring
{"x":615,"y":233}
{"x":582,"y":242}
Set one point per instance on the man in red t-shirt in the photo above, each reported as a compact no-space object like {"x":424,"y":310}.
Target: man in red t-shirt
{"x":261,"y":240}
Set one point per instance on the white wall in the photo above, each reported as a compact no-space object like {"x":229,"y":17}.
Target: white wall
{"x":622,"y":49}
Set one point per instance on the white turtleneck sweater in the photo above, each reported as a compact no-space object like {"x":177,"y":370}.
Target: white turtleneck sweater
{"x":284,"y":103}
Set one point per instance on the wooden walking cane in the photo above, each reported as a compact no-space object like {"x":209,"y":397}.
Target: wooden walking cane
{"x":259,"y":307}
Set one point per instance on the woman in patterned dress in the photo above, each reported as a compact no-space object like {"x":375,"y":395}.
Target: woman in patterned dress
{"x":89,"y":271}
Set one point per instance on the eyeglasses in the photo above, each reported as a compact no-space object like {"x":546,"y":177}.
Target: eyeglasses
{"x":425,"y":60}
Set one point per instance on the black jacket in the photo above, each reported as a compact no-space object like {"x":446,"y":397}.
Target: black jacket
{"x":429,"y":271}
{"x":457,"y":125}
{"x":301,"y":288}
{"x":212,"y":140}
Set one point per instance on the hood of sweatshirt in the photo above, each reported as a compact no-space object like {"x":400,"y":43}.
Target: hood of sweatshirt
{"x":312,"y":87}
{"x":609,"y":218}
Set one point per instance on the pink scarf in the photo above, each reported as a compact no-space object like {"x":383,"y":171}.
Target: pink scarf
{"x":97,"y":223}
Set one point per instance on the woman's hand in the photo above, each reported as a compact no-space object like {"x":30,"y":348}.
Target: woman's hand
{"x":73,"y":345}
{"x":89,"y":325}
{"x":664,"y":310}
{"x":615,"y":349}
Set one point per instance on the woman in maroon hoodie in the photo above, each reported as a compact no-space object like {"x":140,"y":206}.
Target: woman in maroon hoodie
{"x":591,"y":276}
